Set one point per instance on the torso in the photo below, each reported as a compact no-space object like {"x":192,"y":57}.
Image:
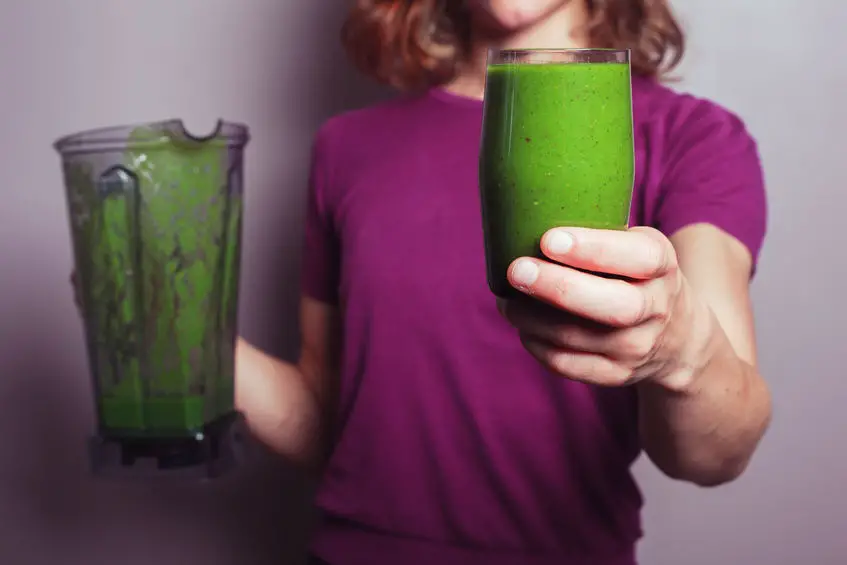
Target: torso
{"x":450,"y":434}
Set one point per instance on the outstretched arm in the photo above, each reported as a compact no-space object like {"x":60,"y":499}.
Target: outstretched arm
{"x":706,"y":431}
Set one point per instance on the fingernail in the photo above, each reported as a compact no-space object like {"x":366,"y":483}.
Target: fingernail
{"x":524,"y":272}
{"x":559,"y":242}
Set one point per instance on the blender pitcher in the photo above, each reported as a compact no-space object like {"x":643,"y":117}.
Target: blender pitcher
{"x":155,"y":216}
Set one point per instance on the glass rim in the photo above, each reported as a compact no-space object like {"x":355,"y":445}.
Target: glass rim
{"x":564,"y":56}
{"x":553,"y":51}
{"x":108,"y":138}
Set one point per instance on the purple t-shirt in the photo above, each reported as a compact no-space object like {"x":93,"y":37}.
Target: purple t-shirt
{"x":453,"y":446}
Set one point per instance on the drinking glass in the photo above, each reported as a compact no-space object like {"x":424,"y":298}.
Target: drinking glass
{"x":556,"y":149}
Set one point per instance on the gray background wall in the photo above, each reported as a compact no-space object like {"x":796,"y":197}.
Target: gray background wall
{"x":275,"y":64}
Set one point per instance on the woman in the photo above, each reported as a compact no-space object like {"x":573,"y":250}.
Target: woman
{"x":447,"y":432}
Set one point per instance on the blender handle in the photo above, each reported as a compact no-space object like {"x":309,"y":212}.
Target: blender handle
{"x":118,"y":191}
{"x":121,"y":183}
{"x":117,"y":181}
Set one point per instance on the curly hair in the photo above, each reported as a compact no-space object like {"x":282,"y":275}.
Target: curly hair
{"x":413,"y":44}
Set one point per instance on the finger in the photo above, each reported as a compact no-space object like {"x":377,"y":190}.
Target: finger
{"x":566,"y":331}
{"x":639,"y":253}
{"x":578,"y":366}
{"x":557,"y":327}
{"x":611,"y":302}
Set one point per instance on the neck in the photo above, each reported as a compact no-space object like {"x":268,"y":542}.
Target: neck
{"x":559,"y":30}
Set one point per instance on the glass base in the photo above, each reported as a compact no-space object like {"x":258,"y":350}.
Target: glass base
{"x":217,"y":449}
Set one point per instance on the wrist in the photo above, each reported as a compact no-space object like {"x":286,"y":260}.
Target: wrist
{"x":697,"y":341}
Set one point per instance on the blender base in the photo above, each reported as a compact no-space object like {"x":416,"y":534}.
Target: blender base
{"x":215,"y":450}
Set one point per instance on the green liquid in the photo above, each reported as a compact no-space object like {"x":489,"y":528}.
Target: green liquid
{"x":557,"y":150}
{"x":158,"y":260}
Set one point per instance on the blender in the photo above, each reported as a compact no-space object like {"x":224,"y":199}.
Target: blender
{"x":156,"y":219}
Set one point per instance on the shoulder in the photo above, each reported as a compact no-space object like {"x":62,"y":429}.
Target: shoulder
{"x":680,"y":122}
{"x":365,"y":127}
{"x":709,"y":169}
{"x":350,"y":144}
{"x":675,"y":109}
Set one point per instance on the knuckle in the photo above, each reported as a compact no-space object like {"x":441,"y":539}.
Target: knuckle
{"x":658,"y":306}
{"x":615,"y":374}
{"x":624,"y":378}
{"x":636,"y":345}
{"x":622,"y":319}
{"x":633,"y":310}
{"x":661,"y":295}
{"x":647,"y":368}
{"x":642,"y":310}
{"x":659,"y":259}
{"x":562,"y":362}
{"x":661,"y":255}
{"x":600,"y":370}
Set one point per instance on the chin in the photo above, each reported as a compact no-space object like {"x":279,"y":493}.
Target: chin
{"x":508,"y":16}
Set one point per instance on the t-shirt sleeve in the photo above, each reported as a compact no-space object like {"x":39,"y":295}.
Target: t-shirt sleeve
{"x":321,"y":257}
{"x":714,"y":175}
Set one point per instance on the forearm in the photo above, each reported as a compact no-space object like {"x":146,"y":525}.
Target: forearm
{"x":706,"y":431}
{"x":281,"y":410}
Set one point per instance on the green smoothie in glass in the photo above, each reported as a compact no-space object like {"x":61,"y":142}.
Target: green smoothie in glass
{"x":557,"y":149}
